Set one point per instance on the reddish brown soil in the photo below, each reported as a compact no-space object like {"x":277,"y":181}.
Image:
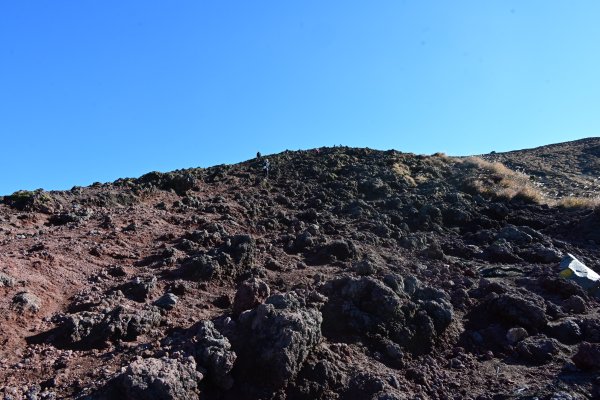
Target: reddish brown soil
{"x":393,"y":223}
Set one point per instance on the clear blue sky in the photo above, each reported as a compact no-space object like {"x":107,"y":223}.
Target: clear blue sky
{"x":97,"y":90}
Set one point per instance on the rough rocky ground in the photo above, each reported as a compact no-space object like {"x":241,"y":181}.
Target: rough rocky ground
{"x":348,"y":274}
{"x":564,"y":169}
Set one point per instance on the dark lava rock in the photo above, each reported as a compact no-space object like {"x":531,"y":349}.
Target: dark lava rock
{"x":160,"y":379}
{"x":587,"y":356}
{"x":365,"y":267}
{"x":77,"y":215}
{"x":273,"y":340}
{"x":6,"y":280}
{"x":202,"y":267}
{"x":167,"y":301}
{"x":501,"y":251}
{"x":140,"y":288}
{"x":575,"y":304}
{"x":542,"y":254}
{"x":567,"y":331}
{"x":515,"y":335}
{"x":241,"y":248}
{"x":213,"y":352}
{"x":274,"y":265}
{"x":93,"y":329}
{"x":538,"y":349}
{"x":596,"y":388}
{"x":366,"y":307}
{"x":250,"y":293}
{"x":561,"y":287}
{"x":591,"y":330}
{"x":223,"y":301}
{"x":303,"y":242}
{"x":180,"y":182}
{"x":589,"y":226}
{"x":116,"y":271}
{"x":374,"y":188}
{"x":520,"y":311}
{"x":26,"y":302}
{"x":365,"y":385}
{"x":497,"y":211}
{"x":337,"y":250}
{"x":514,"y":235}
{"x":230,"y":260}
{"x":434,"y":252}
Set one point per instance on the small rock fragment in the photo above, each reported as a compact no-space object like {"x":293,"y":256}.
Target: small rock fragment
{"x":515,"y":335}
{"x":251,"y":293}
{"x":575,"y":304}
{"x":167,"y":301}
{"x":6,"y":280}
{"x":26,"y":301}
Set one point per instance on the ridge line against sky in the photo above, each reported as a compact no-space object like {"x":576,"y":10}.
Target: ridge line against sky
{"x":96,"y":91}
{"x":269,"y":154}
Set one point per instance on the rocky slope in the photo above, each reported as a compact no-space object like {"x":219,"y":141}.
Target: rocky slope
{"x":564,"y":169}
{"x":347,"y":274}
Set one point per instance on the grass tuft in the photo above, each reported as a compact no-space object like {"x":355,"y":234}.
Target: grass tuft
{"x":494,"y":179}
{"x":579,"y":202}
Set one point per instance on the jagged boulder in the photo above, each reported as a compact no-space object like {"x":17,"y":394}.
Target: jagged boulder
{"x":304,"y":241}
{"x":230,"y":260}
{"x":74,"y":217}
{"x":273,"y":340}
{"x":167,"y":301}
{"x":213,"y":352}
{"x":242,"y":248}
{"x":250,"y":293}
{"x":201,"y":267}
{"x":160,"y":379}
{"x":179,"y":181}
{"x":587,"y":356}
{"x":591,"y":330}
{"x":139,"y":288}
{"x":25,"y":200}
{"x":514,"y":235}
{"x":567,"y":331}
{"x":94,"y":329}
{"x":539,"y":253}
{"x":374,"y":188}
{"x":411,"y":316}
{"x":336,"y":250}
{"x":517,"y":310}
{"x":538,"y":349}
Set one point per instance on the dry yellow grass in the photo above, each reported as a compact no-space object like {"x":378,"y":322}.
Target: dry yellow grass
{"x":441,"y":155}
{"x":497,"y":180}
{"x":578,"y":202}
{"x":404,"y":172}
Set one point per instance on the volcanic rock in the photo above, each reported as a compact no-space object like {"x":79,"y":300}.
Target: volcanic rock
{"x":160,"y":379}
{"x":273,"y":340}
{"x":588,"y":356}
{"x":26,"y":302}
{"x":250,"y":293}
{"x":168,"y":301}
{"x":213,"y":352}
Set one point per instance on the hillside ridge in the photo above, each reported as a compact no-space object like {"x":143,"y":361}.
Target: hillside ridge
{"x":347,"y":273}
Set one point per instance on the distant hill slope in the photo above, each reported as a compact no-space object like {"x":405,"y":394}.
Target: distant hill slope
{"x":570,"y":168}
{"x":345,"y":274}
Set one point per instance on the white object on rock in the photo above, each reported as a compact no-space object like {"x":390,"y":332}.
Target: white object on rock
{"x":572,"y":268}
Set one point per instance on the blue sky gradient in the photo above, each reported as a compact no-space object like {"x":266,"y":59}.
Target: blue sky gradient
{"x":97,"y":90}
